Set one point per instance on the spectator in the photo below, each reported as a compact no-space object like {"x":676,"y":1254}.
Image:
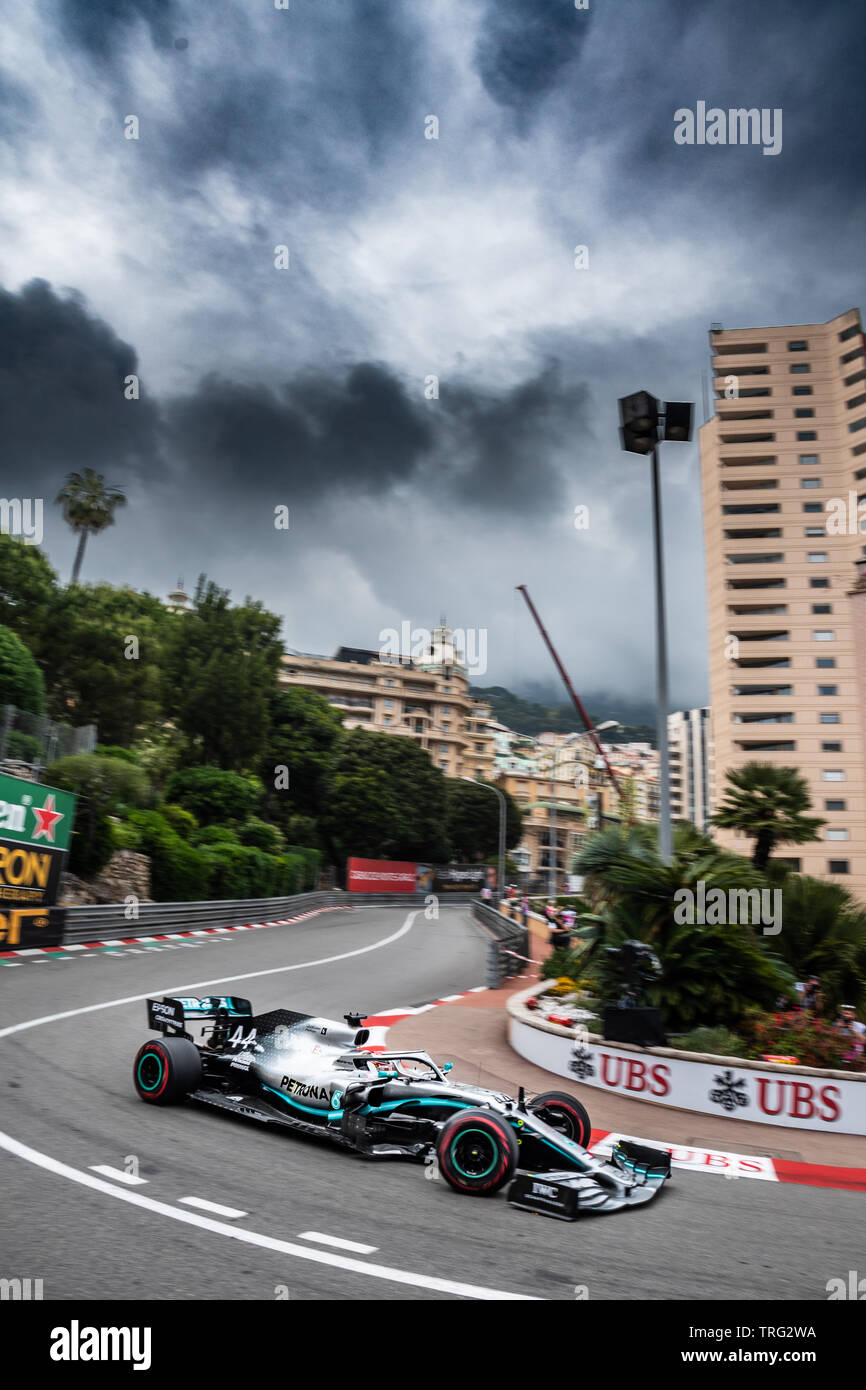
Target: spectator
{"x":560,"y":935}
{"x":813,"y":999}
{"x":524,"y":908}
{"x":852,"y":1030}
{"x":486,"y":892}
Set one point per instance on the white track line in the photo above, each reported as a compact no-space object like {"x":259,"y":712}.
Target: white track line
{"x":283,"y":1247}
{"x":118,"y":1174}
{"x":205,"y":1205}
{"x":206,"y":984}
{"x":337,"y":1243}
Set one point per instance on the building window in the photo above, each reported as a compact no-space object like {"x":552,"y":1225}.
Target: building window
{"x":817,"y":557}
{"x":833,"y":774}
{"x":850,"y":356}
{"x":813,"y":507}
{"x":824,"y":635}
{"x":828,"y":690}
{"x":837,"y":866}
{"x":819,"y":583}
{"x":800,"y":390}
{"x":814,"y":531}
{"x":798,"y":368}
{"x":810,"y":482}
{"x":849,"y":332}
{"x":857,"y":425}
{"x":386,"y":719}
{"x":829,"y":719}
{"x":804,"y":413}
{"x":837,"y":835}
{"x":831,"y":748}
{"x":826,"y":662}
{"x":835,"y":805}
{"x":809,"y":460}
{"x":805,"y":436}
{"x":822,"y":608}
{"x":389,"y":704}
{"x":798,"y":345}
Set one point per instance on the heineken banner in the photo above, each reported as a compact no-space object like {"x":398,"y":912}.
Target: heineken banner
{"x":35,"y":829}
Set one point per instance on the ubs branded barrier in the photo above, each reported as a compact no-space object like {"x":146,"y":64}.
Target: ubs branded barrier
{"x":35,"y":828}
{"x":797,"y":1097}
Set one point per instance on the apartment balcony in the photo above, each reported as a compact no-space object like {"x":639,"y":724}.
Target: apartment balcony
{"x":348,"y":702}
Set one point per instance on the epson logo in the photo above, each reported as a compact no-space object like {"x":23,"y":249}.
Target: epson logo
{"x":77,"y":1343}
{"x":163,"y":1009}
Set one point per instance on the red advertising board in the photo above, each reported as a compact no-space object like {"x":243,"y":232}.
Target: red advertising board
{"x":380,"y":876}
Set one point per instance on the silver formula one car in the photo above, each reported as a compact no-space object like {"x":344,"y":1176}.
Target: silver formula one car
{"x":315,"y":1076}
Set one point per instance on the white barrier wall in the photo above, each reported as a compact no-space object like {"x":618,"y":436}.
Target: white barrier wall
{"x":793,"y":1096}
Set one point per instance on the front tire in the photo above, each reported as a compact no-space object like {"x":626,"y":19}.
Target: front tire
{"x":477,"y":1152}
{"x":166,"y":1070}
{"x":561,"y":1111}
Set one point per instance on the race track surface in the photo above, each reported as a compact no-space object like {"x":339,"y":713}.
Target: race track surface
{"x":68,"y":1107}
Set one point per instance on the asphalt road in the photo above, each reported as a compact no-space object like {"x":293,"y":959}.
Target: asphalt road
{"x":68,"y":1106}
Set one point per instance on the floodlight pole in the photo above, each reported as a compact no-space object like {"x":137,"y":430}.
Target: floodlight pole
{"x":665,"y":832}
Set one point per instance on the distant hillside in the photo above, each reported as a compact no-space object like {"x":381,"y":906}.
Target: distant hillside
{"x":533,"y":717}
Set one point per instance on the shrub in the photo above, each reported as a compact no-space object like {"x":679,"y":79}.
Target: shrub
{"x":813,"y":1041}
{"x":92,"y":843}
{"x":24,"y":746}
{"x":180,"y":820}
{"x":309,"y":862}
{"x":179,"y":873}
{"x":259,"y":835}
{"x":113,"y":750}
{"x":719,"y":1041}
{"x":111,"y":784}
{"x":216,"y":835}
{"x":214,"y":796}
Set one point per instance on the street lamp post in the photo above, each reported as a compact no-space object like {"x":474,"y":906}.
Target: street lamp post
{"x":644,"y":423}
{"x":503,"y":813}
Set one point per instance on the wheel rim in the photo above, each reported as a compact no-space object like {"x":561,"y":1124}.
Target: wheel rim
{"x":561,"y":1120}
{"x":474,"y":1153}
{"x":149,"y":1071}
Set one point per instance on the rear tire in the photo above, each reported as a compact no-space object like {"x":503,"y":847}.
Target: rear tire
{"x":166,"y":1070}
{"x":561,"y":1111}
{"x":477,"y":1152}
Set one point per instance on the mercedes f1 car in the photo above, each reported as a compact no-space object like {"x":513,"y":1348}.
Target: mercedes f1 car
{"x":315,"y":1076}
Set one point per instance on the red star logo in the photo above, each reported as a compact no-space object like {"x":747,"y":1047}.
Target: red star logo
{"x":46,"y":819}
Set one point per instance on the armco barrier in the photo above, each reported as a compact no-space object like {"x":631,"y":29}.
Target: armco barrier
{"x":109,"y":922}
{"x":508,"y":947}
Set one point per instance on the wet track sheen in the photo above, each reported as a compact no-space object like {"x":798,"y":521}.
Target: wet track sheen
{"x":67,"y":1093}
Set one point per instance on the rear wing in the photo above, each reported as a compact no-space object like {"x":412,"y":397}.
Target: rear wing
{"x":168,"y":1015}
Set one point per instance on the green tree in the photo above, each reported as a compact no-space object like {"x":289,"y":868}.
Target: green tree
{"x":213,"y":795}
{"x":21,"y":680}
{"x":824,"y":934}
{"x":88,"y":508}
{"x":385,"y":798}
{"x":768,"y":804}
{"x":303,"y":738}
{"x":113,"y":785}
{"x":28,"y":587}
{"x":219,"y":677}
{"x":472,"y":820}
{"x":103,"y":659}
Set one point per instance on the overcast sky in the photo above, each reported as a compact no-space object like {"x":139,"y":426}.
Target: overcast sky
{"x":409,"y":258}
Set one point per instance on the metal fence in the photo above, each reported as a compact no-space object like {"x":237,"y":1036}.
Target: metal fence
{"x":115,"y":921}
{"x":509,"y":945}
{"x":33,"y":740}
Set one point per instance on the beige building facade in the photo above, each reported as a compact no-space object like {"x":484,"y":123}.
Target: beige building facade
{"x":690,"y":741}
{"x":783,"y":466}
{"x":424,"y":698}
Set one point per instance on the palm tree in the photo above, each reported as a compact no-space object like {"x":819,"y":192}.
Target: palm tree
{"x":767,"y":803}
{"x":88,"y":507}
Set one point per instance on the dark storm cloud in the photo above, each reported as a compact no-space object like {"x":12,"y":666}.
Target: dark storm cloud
{"x":298,"y":102}
{"x":62,"y":402}
{"x":523,"y":49}
{"x":102,"y":27}
{"x":324,"y":435}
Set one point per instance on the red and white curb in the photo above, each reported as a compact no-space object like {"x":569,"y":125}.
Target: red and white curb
{"x":686,"y":1156}
{"x":167,"y":936}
